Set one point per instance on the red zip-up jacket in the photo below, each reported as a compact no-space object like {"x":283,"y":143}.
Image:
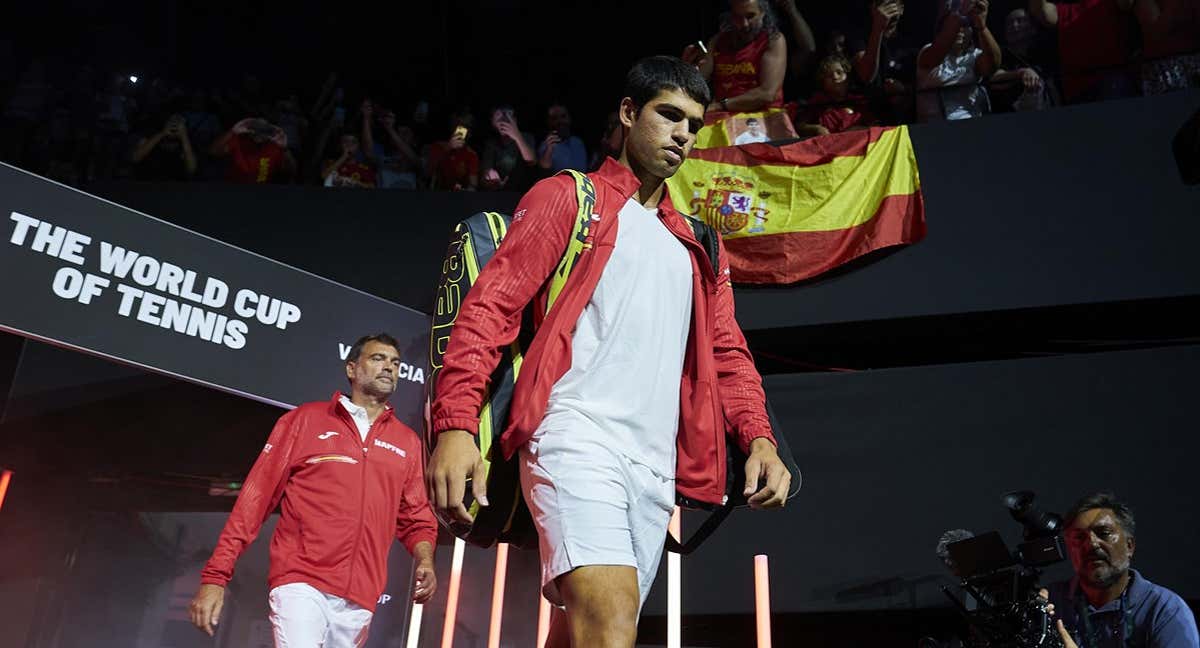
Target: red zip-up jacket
{"x":342,"y":500}
{"x":720,"y":390}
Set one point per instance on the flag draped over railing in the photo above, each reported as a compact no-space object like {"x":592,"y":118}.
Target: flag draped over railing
{"x":792,"y":212}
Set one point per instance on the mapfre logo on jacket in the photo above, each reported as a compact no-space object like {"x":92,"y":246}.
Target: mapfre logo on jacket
{"x":388,"y":446}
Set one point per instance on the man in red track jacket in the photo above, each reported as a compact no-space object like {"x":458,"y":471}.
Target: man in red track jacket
{"x":631,"y":381}
{"x":349,"y":479}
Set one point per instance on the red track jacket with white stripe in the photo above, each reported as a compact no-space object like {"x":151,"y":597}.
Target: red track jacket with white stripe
{"x":342,"y":501}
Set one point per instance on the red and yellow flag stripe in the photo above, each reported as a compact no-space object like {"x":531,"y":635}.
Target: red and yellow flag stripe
{"x":792,"y":212}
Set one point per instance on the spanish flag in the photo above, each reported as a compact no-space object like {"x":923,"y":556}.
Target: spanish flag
{"x":792,"y":212}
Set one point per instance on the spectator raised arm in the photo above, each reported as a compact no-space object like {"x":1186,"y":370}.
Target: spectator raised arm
{"x":702,"y":60}
{"x":508,"y":161}
{"x":1045,"y":13}
{"x":802,"y":33}
{"x":166,"y":154}
{"x":368,"y":136}
{"x":990,"y":59}
{"x":954,"y":38}
{"x":885,"y":20}
{"x":257,"y":152}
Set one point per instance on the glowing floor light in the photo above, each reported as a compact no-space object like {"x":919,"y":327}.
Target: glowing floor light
{"x":498,"y":595}
{"x":673,"y":586}
{"x":543,"y":630}
{"x":762,"y":601}
{"x":5,"y":477}
{"x":452,"y":593}
{"x":414,"y":626}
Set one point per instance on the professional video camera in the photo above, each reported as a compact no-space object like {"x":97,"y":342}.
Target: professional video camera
{"x":1007,"y":610}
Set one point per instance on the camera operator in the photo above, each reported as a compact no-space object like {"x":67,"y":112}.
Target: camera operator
{"x":1108,"y":603}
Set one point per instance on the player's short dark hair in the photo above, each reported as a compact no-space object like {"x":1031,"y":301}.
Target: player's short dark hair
{"x":356,"y":350}
{"x":655,"y":74}
{"x":1104,"y":500}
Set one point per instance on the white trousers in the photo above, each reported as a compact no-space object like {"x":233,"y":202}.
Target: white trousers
{"x":305,"y":617}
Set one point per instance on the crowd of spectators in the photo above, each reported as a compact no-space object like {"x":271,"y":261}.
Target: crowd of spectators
{"x":81,"y":125}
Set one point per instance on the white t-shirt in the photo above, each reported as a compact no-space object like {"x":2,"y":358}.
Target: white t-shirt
{"x":749,"y":138}
{"x":963,"y":100}
{"x":628,"y":347}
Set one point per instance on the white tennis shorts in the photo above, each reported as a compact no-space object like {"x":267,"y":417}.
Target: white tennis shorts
{"x":593,"y":506}
{"x":305,"y":617}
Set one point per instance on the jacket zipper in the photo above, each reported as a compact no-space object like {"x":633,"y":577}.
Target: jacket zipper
{"x":362,"y":494}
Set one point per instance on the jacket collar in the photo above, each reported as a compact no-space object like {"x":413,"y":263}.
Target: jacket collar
{"x":622,"y":179}
{"x":335,"y":405}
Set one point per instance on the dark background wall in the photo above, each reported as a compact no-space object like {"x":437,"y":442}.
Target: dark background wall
{"x":893,"y":458}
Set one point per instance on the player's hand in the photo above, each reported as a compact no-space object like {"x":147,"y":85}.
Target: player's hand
{"x":766,"y":472}
{"x":455,"y":459}
{"x":424,"y":582}
{"x":205,"y":608}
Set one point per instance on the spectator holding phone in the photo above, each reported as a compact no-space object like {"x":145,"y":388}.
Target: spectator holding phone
{"x":746,"y":61}
{"x":509,"y":161}
{"x":393,"y":155}
{"x":453,"y":165}
{"x":561,"y":150}
{"x":875,"y":62}
{"x":949,"y":69}
{"x":348,"y":169}
{"x":165,"y":154}
{"x":883,"y":68}
{"x":257,"y":152}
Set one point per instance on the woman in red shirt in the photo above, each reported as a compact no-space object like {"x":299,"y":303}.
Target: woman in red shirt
{"x":748,"y":59}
